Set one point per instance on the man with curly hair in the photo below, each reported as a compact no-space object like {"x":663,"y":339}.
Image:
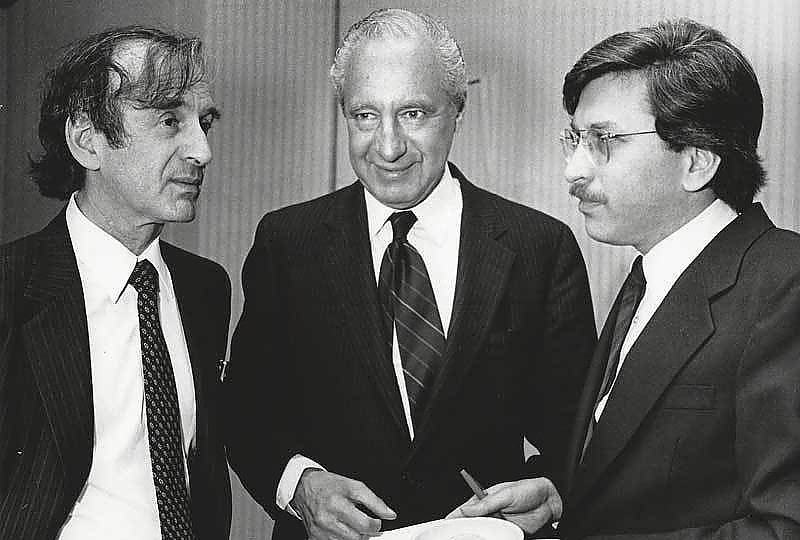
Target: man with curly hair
{"x":109,"y":337}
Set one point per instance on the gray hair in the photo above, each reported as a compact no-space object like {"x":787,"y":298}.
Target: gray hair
{"x":399,"y":23}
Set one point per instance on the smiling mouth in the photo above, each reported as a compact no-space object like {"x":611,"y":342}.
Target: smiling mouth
{"x":393,"y":172}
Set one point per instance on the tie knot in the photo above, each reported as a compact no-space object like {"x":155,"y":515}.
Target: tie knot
{"x":401,"y":224}
{"x":144,"y":277}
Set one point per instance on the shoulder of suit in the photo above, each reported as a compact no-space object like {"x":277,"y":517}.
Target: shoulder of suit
{"x":521,"y":217}
{"x":308,"y":213}
{"x":775,"y":249}
{"x":16,"y":264}
{"x":196,"y":263}
{"x":19,"y":254}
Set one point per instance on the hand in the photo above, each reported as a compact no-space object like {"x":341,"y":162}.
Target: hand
{"x":332,"y":506}
{"x":530,"y":503}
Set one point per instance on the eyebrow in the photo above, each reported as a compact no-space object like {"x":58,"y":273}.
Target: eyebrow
{"x":177,"y":103}
{"x":351,"y":108}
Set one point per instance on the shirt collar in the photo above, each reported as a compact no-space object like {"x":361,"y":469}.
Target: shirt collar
{"x":440,"y":207}
{"x":667,"y":260}
{"x":104,"y":261}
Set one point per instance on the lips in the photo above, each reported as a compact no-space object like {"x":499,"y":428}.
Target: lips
{"x":393,"y":171}
{"x":195,"y":181}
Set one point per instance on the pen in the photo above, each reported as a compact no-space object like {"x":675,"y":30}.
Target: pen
{"x":478,"y":490}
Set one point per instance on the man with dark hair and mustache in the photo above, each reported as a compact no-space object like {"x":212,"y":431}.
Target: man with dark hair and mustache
{"x":688,"y":426}
{"x":110,"y":339}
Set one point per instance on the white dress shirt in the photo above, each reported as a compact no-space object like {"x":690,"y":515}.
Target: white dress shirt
{"x":119,"y":500}
{"x":436,"y":236}
{"x":664,"y":264}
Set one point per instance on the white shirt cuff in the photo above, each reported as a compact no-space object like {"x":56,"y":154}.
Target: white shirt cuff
{"x":289,"y":480}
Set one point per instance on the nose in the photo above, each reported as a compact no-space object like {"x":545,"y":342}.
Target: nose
{"x":579,"y":165}
{"x":197,"y":150}
{"x":390,"y":143}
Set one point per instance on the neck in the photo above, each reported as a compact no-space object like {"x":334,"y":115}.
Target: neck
{"x":135,"y":237}
{"x":693,"y":208}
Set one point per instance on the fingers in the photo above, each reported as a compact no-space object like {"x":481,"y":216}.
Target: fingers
{"x":336,"y":507}
{"x":492,"y":503}
{"x":457,"y":513}
{"x":364,"y":496}
{"x":529,"y":503}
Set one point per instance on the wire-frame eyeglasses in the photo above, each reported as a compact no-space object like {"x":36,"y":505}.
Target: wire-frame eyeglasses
{"x":597,"y":142}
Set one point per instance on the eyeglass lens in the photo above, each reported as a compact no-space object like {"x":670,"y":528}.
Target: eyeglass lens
{"x":592,"y":140}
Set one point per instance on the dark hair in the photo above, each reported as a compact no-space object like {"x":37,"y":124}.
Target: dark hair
{"x":703,"y":93}
{"x":88,"y":80}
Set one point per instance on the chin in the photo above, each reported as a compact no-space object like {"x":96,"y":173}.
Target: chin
{"x":599,"y":233}
{"x":185,"y":211}
{"x":398,"y":199}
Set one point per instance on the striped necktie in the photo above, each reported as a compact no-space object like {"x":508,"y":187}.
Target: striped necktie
{"x":163,"y":413}
{"x":410,"y":309}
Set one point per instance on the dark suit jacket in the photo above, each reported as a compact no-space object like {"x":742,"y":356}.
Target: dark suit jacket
{"x":310,"y":372}
{"x":701,"y":435}
{"x":46,"y":416}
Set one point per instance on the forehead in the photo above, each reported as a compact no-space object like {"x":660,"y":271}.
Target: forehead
{"x":394,"y":69}
{"x":198,"y":98}
{"x":131,"y":57}
{"x":614,"y":100}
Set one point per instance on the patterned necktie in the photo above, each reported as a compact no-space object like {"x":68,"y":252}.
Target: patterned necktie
{"x":410,"y":308}
{"x":631,"y":295}
{"x":163,"y":413}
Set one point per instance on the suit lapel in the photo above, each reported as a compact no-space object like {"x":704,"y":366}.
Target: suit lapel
{"x":351,"y":276}
{"x":56,"y":338}
{"x":484,"y":265}
{"x":678,"y":328}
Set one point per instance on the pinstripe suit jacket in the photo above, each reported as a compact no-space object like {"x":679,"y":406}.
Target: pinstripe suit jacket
{"x":46,"y":415}
{"x":311,"y":370}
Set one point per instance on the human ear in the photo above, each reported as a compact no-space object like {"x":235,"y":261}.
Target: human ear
{"x":702,"y":166}
{"x":82,"y":139}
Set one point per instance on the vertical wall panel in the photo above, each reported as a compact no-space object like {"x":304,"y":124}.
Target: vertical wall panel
{"x":520,"y":51}
{"x":273,"y":145}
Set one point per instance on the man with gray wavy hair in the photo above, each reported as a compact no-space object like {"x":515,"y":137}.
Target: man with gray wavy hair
{"x":402,"y":328}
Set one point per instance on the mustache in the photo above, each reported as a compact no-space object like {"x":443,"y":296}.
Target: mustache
{"x":582,"y":192}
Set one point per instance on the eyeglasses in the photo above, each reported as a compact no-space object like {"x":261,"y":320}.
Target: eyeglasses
{"x":597,"y":142}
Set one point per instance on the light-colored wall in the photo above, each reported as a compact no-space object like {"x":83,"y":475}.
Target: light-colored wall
{"x":280,"y":140}
{"x":272,"y":146}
